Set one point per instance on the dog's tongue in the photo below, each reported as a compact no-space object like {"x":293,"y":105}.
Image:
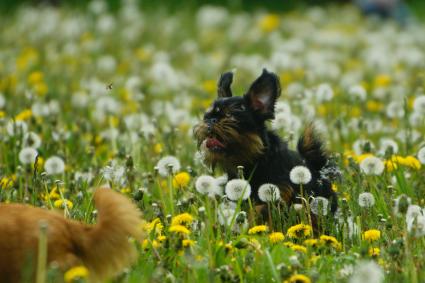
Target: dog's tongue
{"x":213,"y":142}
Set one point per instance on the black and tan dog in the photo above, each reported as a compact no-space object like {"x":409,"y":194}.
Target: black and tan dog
{"x":234,"y":132}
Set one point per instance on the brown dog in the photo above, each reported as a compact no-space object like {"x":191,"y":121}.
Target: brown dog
{"x":104,"y":249}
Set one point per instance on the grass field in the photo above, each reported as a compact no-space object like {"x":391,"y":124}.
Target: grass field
{"x":92,"y":98}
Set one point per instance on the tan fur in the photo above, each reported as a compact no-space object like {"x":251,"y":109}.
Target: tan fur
{"x":103,"y":248}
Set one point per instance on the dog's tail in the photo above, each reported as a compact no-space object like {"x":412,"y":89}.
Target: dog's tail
{"x":311,"y":148}
{"x":106,"y":248}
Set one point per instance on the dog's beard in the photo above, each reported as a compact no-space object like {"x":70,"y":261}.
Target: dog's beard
{"x":223,"y":145}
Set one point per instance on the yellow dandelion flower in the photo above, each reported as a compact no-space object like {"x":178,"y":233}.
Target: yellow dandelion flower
{"x":299,"y":231}
{"x":355,"y":112}
{"x":334,"y":187}
{"x":24,"y":115}
{"x":75,"y":273}
{"x":62,"y":203}
{"x":276,"y":237}
{"x":126,"y":190}
{"x":331,"y":241}
{"x":390,"y":166}
{"x":145,"y":244}
{"x":161,"y":238}
{"x":299,"y":278}
{"x":313,"y":259}
{"x":155,"y":225}
{"x":41,"y":89}
{"x":184,"y":218}
{"x":209,"y":86}
{"x":298,"y":248}
{"x":7,"y":182}
{"x":412,"y":162}
{"x":311,"y":242}
{"x":374,"y":251}
{"x":372,"y":235}
{"x":188,"y":243}
{"x":40,"y":163}
{"x":258,"y":229}
{"x":35,"y":77}
{"x":142,"y":54}
{"x":269,"y":22}
{"x":181,"y":180}
{"x":157,"y":148}
{"x":361,"y":157}
{"x":382,"y":80}
{"x":179,"y":229}
{"x":374,"y":106}
{"x":156,"y":244}
{"x":2,"y":114}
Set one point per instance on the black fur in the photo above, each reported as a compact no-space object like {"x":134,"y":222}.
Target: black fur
{"x":248,"y":115}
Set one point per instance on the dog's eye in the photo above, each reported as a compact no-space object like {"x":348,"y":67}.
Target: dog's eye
{"x":228,"y":115}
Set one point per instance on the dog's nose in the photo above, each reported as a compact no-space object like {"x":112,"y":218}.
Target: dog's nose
{"x":210,"y":123}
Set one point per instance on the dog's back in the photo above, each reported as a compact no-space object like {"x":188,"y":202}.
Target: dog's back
{"x":103,"y":248}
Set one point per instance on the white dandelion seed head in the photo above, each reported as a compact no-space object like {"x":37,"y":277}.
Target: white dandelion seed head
{"x":386,"y":143}
{"x":40,"y":109}
{"x":54,"y":165}
{"x":372,"y":165}
{"x":300,"y":175}
{"x":346,"y":270}
{"x":293,"y":259}
{"x":166,"y":162}
{"x":359,"y":145}
{"x":286,"y":121}
{"x":225,"y":216}
{"x":395,"y":109}
{"x":416,"y":119}
{"x":400,"y":202}
{"x":27,"y":155}
{"x":80,"y":99}
{"x":205,"y":184}
{"x":16,"y":127}
{"x":238,"y":188}
{"x":215,"y":191}
{"x":419,"y":104}
{"x":348,"y":226}
{"x":84,"y":176}
{"x":222,"y":180}
{"x":319,"y":206}
{"x":31,"y":139}
{"x":226,"y":204}
{"x":282,"y":107}
{"x":366,"y":199}
{"x":2,"y":101}
{"x":367,"y":272}
{"x":421,"y":155}
{"x":298,"y":206}
{"x":269,"y":193}
{"x":416,"y":226}
{"x":413,"y":211}
{"x":358,"y":92}
{"x":324,"y":92}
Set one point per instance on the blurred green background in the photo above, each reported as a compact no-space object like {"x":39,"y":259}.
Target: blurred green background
{"x":417,"y":7}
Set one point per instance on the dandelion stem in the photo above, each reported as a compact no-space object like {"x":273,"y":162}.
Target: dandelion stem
{"x":42,"y":253}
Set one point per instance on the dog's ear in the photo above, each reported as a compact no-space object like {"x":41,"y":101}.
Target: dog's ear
{"x":263,"y":93}
{"x":223,"y":86}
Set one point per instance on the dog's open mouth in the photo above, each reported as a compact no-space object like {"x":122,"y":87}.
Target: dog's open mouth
{"x":214,"y":144}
